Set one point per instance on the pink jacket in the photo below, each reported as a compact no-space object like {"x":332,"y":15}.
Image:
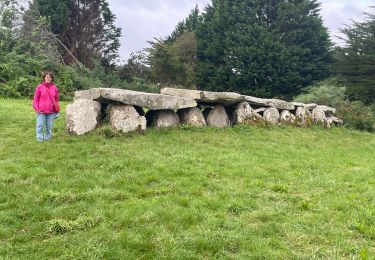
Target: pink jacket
{"x":42,"y":98}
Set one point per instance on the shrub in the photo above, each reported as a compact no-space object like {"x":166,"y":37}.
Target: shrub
{"x":354,"y":113}
{"x":357,"y":116}
{"x":328,"y":92}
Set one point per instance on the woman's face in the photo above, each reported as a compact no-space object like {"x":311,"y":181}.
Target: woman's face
{"x":48,"y":78}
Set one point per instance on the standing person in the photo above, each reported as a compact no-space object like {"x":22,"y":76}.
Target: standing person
{"x":46,"y":95}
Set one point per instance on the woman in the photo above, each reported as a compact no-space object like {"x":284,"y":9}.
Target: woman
{"x":46,"y":94}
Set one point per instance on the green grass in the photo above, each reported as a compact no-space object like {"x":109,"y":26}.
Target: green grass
{"x":186,"y":193}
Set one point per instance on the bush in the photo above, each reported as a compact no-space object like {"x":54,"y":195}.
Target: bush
{"x":354,"y":113}
{"x":328,"y":92}
{"x":357,"y":116}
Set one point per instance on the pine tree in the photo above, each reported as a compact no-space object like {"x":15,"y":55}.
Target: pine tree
{"x":190,"y":24}
{"x":173,"y":61}
{"x":355,"y":61}
{"x":265,"y":48}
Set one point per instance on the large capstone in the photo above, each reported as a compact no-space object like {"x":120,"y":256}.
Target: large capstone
{"x":276,"y":103}
{"x":271,"y":115}
{"x":126,"y":119}
{"x":82,"y":116}
{"x":327,"y":110}
{"x":135,"y":98}
{"x":303,"y":117}
{"x":309,"y":106}
{"x":287,"y":118}
{"x":205,"y":97}
{"x":162,"y":118}
{"x":318,"y":116}
{"x":192,"y":116}
{"x":216,"y":116}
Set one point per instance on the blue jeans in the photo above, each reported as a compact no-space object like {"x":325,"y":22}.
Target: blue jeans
{"x":44,"y":121}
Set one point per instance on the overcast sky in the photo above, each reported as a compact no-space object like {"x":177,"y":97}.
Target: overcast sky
{"x":143,"y":20}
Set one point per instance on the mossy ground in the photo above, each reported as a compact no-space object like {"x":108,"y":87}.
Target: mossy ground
{"x":187,"y":193}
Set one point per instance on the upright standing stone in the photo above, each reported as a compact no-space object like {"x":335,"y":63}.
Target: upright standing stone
{"x":244,"y":114}
{"x":126,"y":119}
{"x":303,"y":117}
{"x":162,"y":118}
{"x":192,"y":116}
{"x":287,"y":118}
{"x":82,"y":116}
{"x":271,"y":115}
{"x":318,"y":116}
{"x":217,"y":117}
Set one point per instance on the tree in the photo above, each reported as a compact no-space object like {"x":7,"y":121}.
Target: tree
{"x":355,"y":61}
{"x":135,"y":67}
{"x":190,"y":24}
{"x":165,"y":65}
{"x":85,"y":27}
{"x":9,"y":22}
{"x":173,"y":61}
{"x":266,"y":48}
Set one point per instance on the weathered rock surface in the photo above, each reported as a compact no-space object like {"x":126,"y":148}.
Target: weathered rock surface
{"x":162,"y":118}
{"x":303,"y":117}
{"x":309,"y":106}
{"x":82,"y":116}
{"x":126,"y":119}
{"x":287,"y":118}
{"x":244,"y":114}
{"x":260,"y":110}
{"x":192,"y":116}
{"x":187,"y":93}
{"x":135,"y":98}
{"x":318,"y":116}
{"x":272,"y":115}
{"x":205,"y":97}
{"x":331,"y":120}
{"x":277,"y":103}
{"x":127,"y":113}
{"x":327,"y":110}
{"x":217,"y":117}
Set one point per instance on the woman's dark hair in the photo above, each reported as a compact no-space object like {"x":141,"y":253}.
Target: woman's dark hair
{"x":47,"y":73}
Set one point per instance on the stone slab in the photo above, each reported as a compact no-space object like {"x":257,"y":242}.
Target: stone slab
{"x":135,"y":98}
{"x":264,"y":102}
{"x":309,"y":106}
{"x":206,"y":97}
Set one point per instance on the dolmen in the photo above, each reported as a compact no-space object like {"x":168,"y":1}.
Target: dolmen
{"x":129,"y":111}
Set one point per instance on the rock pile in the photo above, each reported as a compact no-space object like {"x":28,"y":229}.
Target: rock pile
{"x":125,"y":110}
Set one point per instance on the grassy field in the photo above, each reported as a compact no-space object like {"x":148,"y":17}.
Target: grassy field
{"x":186,"y":193}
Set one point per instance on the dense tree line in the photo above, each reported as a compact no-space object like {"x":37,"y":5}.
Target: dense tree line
{"x":355,"y":61}
{"x":265,"y":48}
{"x":269,"y":48}
{"x":273,"y":48}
